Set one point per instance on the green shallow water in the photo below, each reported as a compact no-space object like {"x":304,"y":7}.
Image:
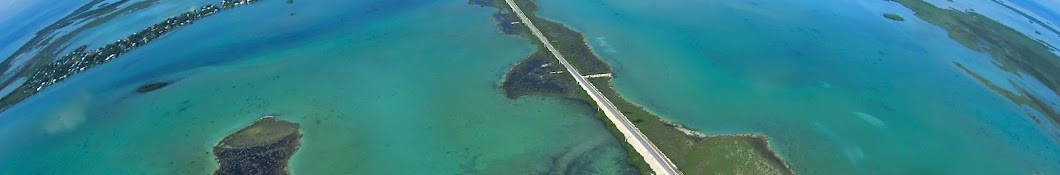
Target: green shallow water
{"x":413,"y":92}
{"x":838,"y":88}
{"x":410,"y":87}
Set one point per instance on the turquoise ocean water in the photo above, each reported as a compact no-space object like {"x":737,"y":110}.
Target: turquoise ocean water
{"x":837,"y":87}
{"x":379,"y":87}
{"x":410,"y":87}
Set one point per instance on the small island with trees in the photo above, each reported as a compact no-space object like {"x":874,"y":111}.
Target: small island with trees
{"x":893,"y":17}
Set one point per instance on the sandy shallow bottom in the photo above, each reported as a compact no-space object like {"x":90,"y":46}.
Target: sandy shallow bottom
{"x":836,"y":86}
{"x":386,"y":91}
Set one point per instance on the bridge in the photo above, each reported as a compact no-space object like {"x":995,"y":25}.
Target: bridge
{"x":655,"y":158}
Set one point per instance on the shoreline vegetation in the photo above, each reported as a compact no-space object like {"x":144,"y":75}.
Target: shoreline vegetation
{"x":692,"y":151}
{"x":152,"y":87}
{"x":264,"y":147}
{"x":1011,"y":50}
{"x":44,"y":69}
{"x":893,"y":17}
{"x":48,"y":46}
{"x":1020,"y":97}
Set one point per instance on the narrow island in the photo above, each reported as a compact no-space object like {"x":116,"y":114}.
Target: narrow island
{"x":261,"y":148}
{"x":44,"y":69}
{"x":693,"y":152}
{"x":1020,"y":97}
{"x":151,"y":87}
{"x":1011,"y":50}
{"x":893,"y":17}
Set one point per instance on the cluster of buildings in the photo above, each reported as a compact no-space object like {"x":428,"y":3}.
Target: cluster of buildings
{"x":81,"y":59}
{"x":225,"y":4}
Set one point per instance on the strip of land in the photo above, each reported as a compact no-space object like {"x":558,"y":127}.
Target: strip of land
{"x":658,"y":161}
{"x":44,"y":70}
{"x":693,"y":152}
{"x":1011,"y":50}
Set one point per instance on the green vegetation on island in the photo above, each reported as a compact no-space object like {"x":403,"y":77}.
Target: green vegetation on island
{"x":1013,"y":51}
{"x":893,"y":17}
{"x":45,"y":67}
{"x":261,"y":148}
{"x":151,"y":87}
{"x":1020,"y":97}
{"x":691,"y":151}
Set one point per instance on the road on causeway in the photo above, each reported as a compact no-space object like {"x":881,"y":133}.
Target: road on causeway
{"x":659,"y":163}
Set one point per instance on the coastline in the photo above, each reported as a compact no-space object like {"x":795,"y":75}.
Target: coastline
{"x":1021,"y":97}
{"x":759,"y":146}
{"x":263,"y":147}
{"x":694,"y":152}
{"x":43,"y":69}
{"x":50,"y":41}
{"x":1013,"y":52}
{"x":706,"y":145}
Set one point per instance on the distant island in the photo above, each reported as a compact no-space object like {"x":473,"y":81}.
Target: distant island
{"x":43,"y":70}
{"x":893,"y":17}
{"x":152,"y":87}
{"x":1013,"y":51}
